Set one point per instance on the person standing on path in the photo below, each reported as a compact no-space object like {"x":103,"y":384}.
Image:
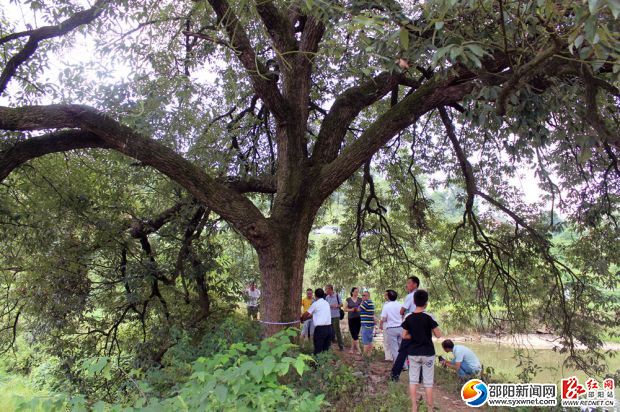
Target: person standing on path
{"x":413,"y":283}
{"x":307,"y":330}
{"x":355,"y":322}
{"x":367,"y":315}
{"x":335,"y":304}
{"x":386,"y":350}
{"x":252,"y":294}
{"x":320,"y":312}
{"x":391,"y":321}
{"x":420,"y":327}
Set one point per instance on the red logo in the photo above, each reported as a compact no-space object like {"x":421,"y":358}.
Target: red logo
{"x":592,"y":384}
{"x":571,"y":389}
{"x":609,"y":384}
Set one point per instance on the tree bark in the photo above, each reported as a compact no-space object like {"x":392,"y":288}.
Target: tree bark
{"x":281,"y":264}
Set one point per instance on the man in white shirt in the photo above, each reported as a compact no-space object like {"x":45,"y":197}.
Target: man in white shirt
{"x":413,"y":283}
{"x":252,"y":294}
{"x":320,"y":312}
{"x":391,"y":321}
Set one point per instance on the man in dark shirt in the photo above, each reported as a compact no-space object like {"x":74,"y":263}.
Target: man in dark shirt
{"x":413,"y":283}
{"x":420,"y":327}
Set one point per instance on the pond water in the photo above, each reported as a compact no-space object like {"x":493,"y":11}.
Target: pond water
{"x":502,"y":359}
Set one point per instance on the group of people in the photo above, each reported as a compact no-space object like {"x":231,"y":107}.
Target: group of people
{"x":322,"y":313}
{"x":407,"y":333}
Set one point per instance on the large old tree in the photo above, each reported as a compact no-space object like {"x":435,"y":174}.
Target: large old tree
{"x":262,"y":109}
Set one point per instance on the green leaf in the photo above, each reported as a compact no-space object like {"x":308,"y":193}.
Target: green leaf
{"x":439,"y":25}
{"x":441,"y":52}
{"x":589,"y":28}
{"x":300,"y":366}
{"x":78,"y":403}
{"x":584,"y":52}
{"x":596,"y":65}
{"x":99,"y":406}
{"x":98,"y":365}
{"x":221,"y":392}
{"x":404,"y":38}
{"x":593,"y":5}
{"x":476,"y":49}
{"x":283,"y":368}
{"x":268,"y":364}
{"x":579,"y":40}
{"x":256,"y":371}
{"x":455,"y":52}
{"x":614,"y":6}
{"x":585,"y":155}
{"x":472,"y":57}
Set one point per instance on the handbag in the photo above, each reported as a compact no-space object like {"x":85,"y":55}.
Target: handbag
{"x":341,"y":311}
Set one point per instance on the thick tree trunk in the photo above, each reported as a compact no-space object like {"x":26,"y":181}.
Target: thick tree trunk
{"x":203,"y":295}
{"x":282,"y":269}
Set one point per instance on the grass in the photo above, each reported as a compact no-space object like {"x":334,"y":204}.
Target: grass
{"x":394,"y":398}
{"x":612,"y":336}
{"x":13,"y":387}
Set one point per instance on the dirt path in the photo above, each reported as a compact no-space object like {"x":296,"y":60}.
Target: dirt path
{"x":445,"y":400}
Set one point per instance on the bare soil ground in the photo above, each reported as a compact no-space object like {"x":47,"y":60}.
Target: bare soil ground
{"x":378,"y":370}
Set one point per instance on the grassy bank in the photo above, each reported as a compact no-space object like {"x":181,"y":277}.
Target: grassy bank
{"x":13,"y":387}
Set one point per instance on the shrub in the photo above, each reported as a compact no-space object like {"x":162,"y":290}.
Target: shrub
{"x":330,"y":377}
{"x":247,"y":377}
{"x":243,"y":377}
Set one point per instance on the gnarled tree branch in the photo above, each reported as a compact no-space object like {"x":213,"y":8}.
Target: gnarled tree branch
{"x":73,"y":139}
{"x":55,"y":142}
{"x":592,"y":115}
{"x":433,"y":94}
{"x":232,"y":206}
{"x":345,"y":109}
{"x":278,"y":27}
{"x":263,"y":82}
{"x":47,"y":32}
{"x":522,"y":72}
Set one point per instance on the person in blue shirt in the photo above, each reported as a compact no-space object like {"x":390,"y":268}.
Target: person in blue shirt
{"x":367,"y":314}
{"x":465,"y":361}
